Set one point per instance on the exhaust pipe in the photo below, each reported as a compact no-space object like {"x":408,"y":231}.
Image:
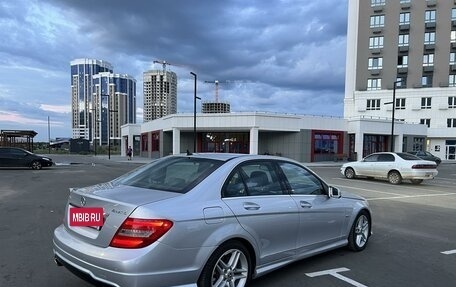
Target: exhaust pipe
{"x":57,"y":262}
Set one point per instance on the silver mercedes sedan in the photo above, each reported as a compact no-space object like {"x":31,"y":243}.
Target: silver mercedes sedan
{"x":205,"y":220}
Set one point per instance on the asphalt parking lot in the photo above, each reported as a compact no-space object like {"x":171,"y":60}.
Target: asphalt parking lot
{"x":414,"y":241}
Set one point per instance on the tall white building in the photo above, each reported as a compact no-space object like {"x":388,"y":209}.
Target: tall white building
{"x":410,"y":45}
{"x":160,"y":94}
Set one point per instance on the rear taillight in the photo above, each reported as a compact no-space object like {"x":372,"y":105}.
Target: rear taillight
{"x":138,"y":233}
{"x":424,"y":166}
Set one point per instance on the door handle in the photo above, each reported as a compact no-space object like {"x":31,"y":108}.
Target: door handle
{"x":251,"y":206}
{"x":305,"y":204}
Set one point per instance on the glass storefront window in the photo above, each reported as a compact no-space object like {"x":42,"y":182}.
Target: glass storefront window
{"x":225,"y":142}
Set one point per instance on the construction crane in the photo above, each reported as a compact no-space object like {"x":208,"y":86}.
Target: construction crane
{"x":216,"y":82}
{"x":164,"y":63}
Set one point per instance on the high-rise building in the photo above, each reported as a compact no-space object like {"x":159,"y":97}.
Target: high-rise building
{"x":160,"y":94}
{"x":114,"y":105}
{"x":82,"y":71}
{"x":101,"y":101}
{"x":407,"y":50}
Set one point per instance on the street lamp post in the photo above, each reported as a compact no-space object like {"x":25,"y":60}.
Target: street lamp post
{"x":392,"y":116}
{"x":109,"y":111}
{"x":194,"y":111}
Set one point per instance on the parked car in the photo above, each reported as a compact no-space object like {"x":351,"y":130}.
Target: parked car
{"x":427,"y":156}
{"x":207,"y":220}
{"x":395,"y":167}
{"x":18,"y":157}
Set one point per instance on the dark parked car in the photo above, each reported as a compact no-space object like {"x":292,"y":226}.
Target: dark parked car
{"x":427,"y":156}
{"x":18,"y":157}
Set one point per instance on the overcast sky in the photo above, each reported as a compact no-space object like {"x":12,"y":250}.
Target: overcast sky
{"x":285,"y":56}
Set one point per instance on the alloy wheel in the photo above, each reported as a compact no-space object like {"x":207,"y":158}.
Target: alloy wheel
{"x":361,"y":231}
{"x":231,"y":269}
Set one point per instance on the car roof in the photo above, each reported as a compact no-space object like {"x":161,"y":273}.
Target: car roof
{"x":5,"y":147}
{"x":230,"y":156}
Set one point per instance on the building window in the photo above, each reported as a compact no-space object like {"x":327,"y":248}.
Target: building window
{"x":156,"y":141}
{"x":377,"y":2}
{"x":451,"y":123}
{"x":426,"y":81}
{"x":429,"y":38}
{"x":452,"y":80}
{"x":377,"y":21}
{"x":453,"y":14}
{"x":451,"y":102}
{"x":374,"y":84}
{"x":327,"y":143}
{"x":376,"y":42}
{"x":453,"y":37}
{"x":426,"y":103}
{"x":404,"y":18}
{"x":373,"y":104}
{"x":402,"y":61}
{"x":429,"y":16}
{"x":375,"y":63}
{"x":403,"y":40}
{"x":426,"y":122}
{"x":452,"y":58}
{"x":428,"y":60}
{"x":144,"y":142}
{"x":418,"y":144}
{"x":401,"y":82}
{"x":405,"y":1}
{"x":400,"y":104}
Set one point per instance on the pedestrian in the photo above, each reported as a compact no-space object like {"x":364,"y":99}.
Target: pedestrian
{"x":129,"y":151}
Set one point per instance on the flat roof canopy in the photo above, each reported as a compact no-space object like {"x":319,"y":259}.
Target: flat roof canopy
{"x":18,"y":133}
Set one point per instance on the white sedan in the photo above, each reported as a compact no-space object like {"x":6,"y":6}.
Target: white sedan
{"x":394,"y":167}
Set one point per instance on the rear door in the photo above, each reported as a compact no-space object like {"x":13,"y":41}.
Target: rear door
{"x":256,"y":196}
{"x":385,"y":163}
{"x":4,"y":157}
{"x":366,"y":167}
{"x":321,"y":217}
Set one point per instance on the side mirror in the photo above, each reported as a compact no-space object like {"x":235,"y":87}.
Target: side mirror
{"x":334,"y":192}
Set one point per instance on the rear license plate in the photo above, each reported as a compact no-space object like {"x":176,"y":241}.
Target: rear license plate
{"x":86,"y":216}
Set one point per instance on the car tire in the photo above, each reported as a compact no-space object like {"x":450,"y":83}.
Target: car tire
{"x":360,"y":232}
{"x":36,"y":165}
{"x":416,"y":181}
{"x":229,"y":265}
{"x":350,"y":173}
{"x":394,"y":177}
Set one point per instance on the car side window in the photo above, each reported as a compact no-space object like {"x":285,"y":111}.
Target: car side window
{"x":371,"y":158}
{"x":301,"y":180}
{"x":253,"y":179}
{"x":385,"y":158}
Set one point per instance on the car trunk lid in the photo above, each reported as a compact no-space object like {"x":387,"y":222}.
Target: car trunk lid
{"x":117,"y":202}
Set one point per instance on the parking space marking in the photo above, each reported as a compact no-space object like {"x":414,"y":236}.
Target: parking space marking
{"x":449,"y":252}
{"x":335,"y":273}
{"x":369,"y":190}
{"x":411,"y":196}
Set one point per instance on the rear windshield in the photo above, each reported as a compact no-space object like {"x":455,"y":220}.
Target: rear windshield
{"x":176,"y":174}
{"x":408,"y":156}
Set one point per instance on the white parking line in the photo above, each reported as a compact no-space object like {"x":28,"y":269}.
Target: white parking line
{"x":334,"y":272}
{"x":369,"y":190}
{"x":449,"y":252}
{"x":411,"y":196}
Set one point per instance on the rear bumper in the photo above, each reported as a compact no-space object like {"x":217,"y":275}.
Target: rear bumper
{"x":156,"y":265}
{"x":420,"y":174}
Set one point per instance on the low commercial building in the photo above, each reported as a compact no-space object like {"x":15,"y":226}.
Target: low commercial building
{"x":304,"y":138}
